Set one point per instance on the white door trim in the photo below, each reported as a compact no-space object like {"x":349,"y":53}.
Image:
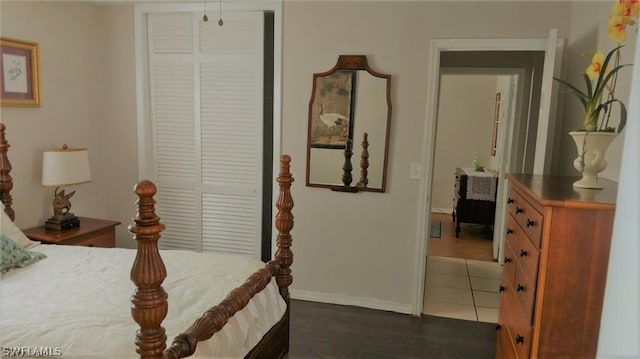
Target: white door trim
{"x":514,"y":103}
{"x":548,"y":103}
{"x":428,"y":142}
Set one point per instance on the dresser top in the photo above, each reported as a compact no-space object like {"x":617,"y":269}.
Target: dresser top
{"x":558,"y":191}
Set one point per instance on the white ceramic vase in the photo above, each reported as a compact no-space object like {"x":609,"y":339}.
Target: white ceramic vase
{"x":592,"y":147}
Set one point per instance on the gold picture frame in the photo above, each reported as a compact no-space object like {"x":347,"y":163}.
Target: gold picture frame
{"x":19,"y":77}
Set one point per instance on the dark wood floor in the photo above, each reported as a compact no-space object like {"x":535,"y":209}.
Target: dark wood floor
{"x":334,"y":331}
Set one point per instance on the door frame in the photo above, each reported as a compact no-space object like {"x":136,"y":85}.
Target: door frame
{"x":437,"y":46}
{"x":510,"y":105}
{"x":514,"y":103}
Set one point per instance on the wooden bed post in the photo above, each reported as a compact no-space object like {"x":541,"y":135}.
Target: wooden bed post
{"x":6,"y":182}
{"x":364,"y":161}
{"x":284,"y":224}
{"x":149,"y":302}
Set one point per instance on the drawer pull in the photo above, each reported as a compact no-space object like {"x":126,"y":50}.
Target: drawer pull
{"x":523,"y":253}
{"x":507,"y":260}
{"x":501,"y":288}
{"x":519,"y":339}
{"x":509,"y":231}
{"x":520,"y":288}
{"x":530,"y":222}
{"x":509,"y":200}
{"x":519,"y":210}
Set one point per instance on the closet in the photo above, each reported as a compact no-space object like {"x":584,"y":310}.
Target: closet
{"x":202,"y":127}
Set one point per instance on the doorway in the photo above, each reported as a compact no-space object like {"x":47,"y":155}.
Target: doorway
{"x":526,"y":134}
{"x":476,"y":107}
{"x":476,"y":110}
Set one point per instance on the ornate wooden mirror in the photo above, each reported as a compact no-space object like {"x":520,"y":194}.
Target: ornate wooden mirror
{"x":349,"y":115}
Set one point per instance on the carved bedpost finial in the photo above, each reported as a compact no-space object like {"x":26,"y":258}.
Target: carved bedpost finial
{"x":284,"y":224}
{"x":149,"y":302}
{"x":6,"y":182}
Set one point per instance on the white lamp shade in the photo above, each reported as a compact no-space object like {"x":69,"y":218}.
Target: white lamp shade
{"x":65,"y":166}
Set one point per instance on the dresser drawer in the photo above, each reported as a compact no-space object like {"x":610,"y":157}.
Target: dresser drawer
{"x":529,"y":219}
{"x":514,"y":325}
{"x":528,"y":257}
{"x":510,"y":263}
{"x":521,"y":333}
{"x":512,"y":231}
{"x":505,"y":348}
{"x":525,"y":289}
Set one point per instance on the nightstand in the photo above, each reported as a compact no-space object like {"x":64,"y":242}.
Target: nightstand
{"x":91,"y":233}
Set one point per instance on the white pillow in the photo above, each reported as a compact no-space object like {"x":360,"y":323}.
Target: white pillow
{"x":11,"y":231}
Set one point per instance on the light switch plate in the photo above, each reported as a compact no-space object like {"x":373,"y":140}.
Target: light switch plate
{"x":415,"y":172}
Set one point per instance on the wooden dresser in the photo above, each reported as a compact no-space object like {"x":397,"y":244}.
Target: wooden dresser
{"x":556,"y":260}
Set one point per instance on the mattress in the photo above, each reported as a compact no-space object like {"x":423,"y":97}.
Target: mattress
{"x":77,"y":302}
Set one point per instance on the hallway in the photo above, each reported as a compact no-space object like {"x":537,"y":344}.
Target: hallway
{"x":475,"y":241}
{"x":462,"y":279}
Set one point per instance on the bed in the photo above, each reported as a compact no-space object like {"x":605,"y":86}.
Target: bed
{"x":170,"y":293}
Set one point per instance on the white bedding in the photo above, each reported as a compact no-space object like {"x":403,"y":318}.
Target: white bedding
{"x":78,"y":299}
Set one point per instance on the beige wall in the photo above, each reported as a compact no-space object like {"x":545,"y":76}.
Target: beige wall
{"x":362,"y":247}
{"x":357,"y":248}
{"x":72,"y":74}
{"x":87,"y":74}
{"x":120,"y":136}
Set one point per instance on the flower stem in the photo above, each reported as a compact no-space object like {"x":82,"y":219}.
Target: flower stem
{"x":610,"y":96}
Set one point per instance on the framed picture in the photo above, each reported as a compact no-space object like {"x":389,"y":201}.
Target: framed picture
{"x":496,"y":121}
{"x":19,"y":81}
{"x":332,"y":110}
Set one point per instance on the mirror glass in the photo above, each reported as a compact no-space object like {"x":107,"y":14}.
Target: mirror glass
{"x":349,"y":103}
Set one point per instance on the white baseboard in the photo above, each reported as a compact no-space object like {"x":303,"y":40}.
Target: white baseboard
{"x":341,"y":299}
{"x":441,"y":210}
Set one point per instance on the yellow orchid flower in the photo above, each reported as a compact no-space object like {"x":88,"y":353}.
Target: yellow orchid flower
{"x":617,"y":29}
{"x":601,"y":75}
{"x":629,"y":9}
{"x":619,"y":8}
{"x":596,"y":65}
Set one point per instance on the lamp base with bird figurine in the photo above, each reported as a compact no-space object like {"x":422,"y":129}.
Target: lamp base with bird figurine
{"x":62,"y":219}
{"x":63,"y":222}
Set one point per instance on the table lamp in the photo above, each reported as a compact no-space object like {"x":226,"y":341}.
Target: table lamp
{"x":64,"y":167}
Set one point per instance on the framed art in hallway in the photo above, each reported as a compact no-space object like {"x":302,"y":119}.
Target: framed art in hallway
{"x":496,"y":122}
{"x":19,"y":78}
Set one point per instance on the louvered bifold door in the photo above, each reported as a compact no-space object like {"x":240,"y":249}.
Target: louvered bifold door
{"x":206,"y":99}
{"x":231,"y":109}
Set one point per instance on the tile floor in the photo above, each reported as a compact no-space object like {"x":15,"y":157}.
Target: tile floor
{"x":462,"y":289}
